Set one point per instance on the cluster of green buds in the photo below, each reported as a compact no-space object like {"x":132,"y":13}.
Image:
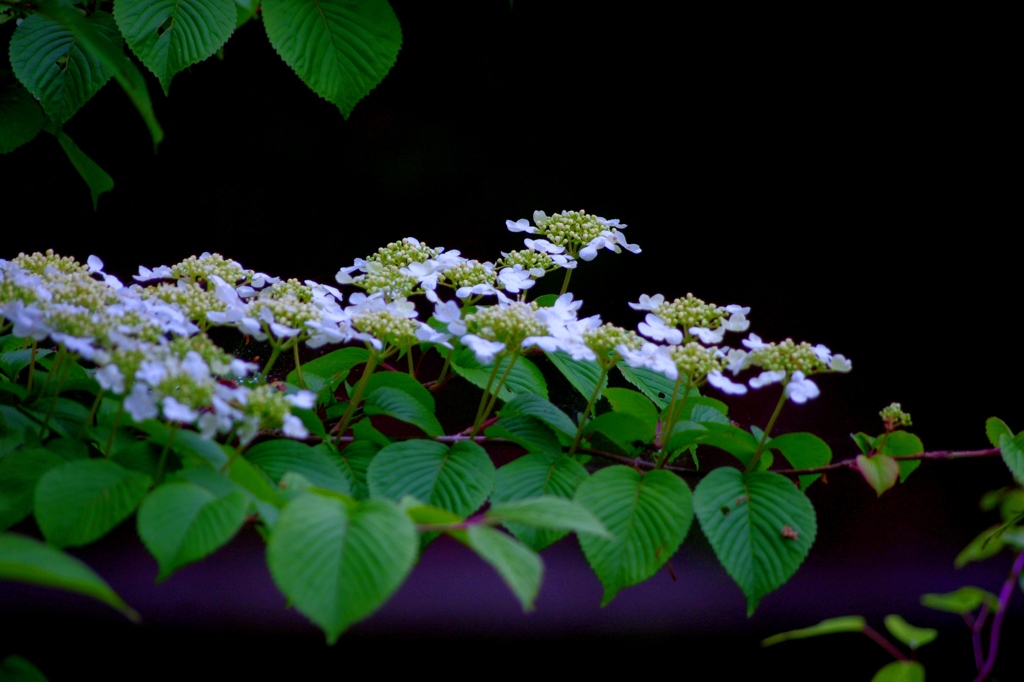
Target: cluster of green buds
{"x":894,"y":417}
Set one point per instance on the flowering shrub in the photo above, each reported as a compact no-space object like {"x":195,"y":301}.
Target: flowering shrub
{"x":322,"y":427}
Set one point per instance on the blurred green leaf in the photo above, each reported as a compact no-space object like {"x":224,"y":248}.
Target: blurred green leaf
{"x":914,"y":637}
{"x":828,"y":626}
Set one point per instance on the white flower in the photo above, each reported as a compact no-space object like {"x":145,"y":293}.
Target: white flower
{"x":648,"y":302}
{"x":655,"y":328}
{"x":302,"y":399}
{"x":293,"y":427}
{"x":653,"y":357}
{"x":737,"y":321}
{"x":839,"y":363}
{"x":800,"y":389}
{"x":708,"y":337}
{"x":736,"y":360}
{"x":521,"y":225}
{"x":765,"y":378}
{"x":543,"y":246}
{"x":483,"y":349}
{"x":176,"y":412}
{"x":823,"y":353}
{"x":753,"y":342}
{"x":719,"y":381}
{"x":146,"y":275}
{"x":516,"y":279}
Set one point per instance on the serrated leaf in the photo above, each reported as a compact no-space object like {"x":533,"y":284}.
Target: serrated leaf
{"x":544,"y":410}
{"x":648,"y":515}
{"x":334,"y":366}
{"x":995,"y":428}
{"x":1012,"y":451}
{"x":531,"y":476}
{"x":582,"y":375}
{"x":355,"y":459}
{"x":171,"y":35}
{"x":81,"y":501}
{"x":903,"y":443}
{"x":966,"y":599}
{"x":523,"y":379}
{"x":56,"y":67}
{"x":400,"y":405}
{"x":20,"y":471}
{"x":626,"y":431}
{"x":27,"y":560}
{"x":829,"y":626}
{"x":532,"y":434}
{"x":550,"y":512}
{"x":914,"y":637}
{"x":278,"y":457}
{"x":760,"y":525}
{"x":654,"y":385}
{"x":182,"y":522}
{"x":404,"y":383}
{"x":98,"y":180}
{"x":338,"y":562}
{"x":341,"y":49}
{"x":21,"y":117}
{"x":518,"y":565}
{"x":457,"y":478}
{"x":984,"y":545}
{"x":803,"y":451}
{"x":880,"y":471}
{"x":900,"y":671}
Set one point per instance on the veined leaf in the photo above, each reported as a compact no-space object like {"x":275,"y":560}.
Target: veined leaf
{"x":402,"y":406}
{"x":523,"y":379}
{"x":355,"y":459}
{"x":30,"y":561}
{"x":529,"y":432}
{"x":803,"y":451}
{"x":531,"y":476}
{"x":996,"y":428}
{"x":545,"y":411}
{"x":81,"y":501}
{"x":627,"y":432}
{"x":334,"y":366}
{"x":880,"y":471}
{"x":654,"y":385}
{"x":903,"y":443}
{"x":737,"y":442}
{"x":457,"y":478}
{"x":21,"y":117}
{"x":828,"y":626}
{"x":760,"y":525}
{"x":517,"y":564}
{"x":649,"y":516}
{"x":20,"y":471}
{"x":582,"y":375}
{"x":341,"y":49}
{"x":182,"y":522}
{"x":631,"y":402}
{"x":1012,"y":451}
{"x":404,"y":383}
{"x":549,"y":511}
{"x":338,"y":561}
{"x":278,"y":457}
{"x":170,"y":35}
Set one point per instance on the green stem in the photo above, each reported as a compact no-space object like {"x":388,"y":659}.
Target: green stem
{"x":357,"y":395}
{"x":274,"y":353}
{"x":767,"y":431}
{"x":162,"y":464}
{"x":491,"y":391}
{"x":565,"y":281}
{"x":412,"y":369}
{"x":670,"y":423}
{"x":113,"y":430}
{"x":60,"y":364}
{"x":587,"y":409}
{"x":298,"y":367}
{"x":31,"y":367}
{"x":444,"y":370}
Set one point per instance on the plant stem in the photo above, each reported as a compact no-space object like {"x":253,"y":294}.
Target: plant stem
{"x":587,"y":409}
{"x":492,"y":391}
{"x":162,"y":464}
{"x":767,"y":430}
{"x":670,"y":423}
{"x":884,"y":643}
{"x":565,"y":281}
{"x":357,"y":395}
{"x":997,"y":620}
{"x":274,"y":353}
{"x":298,"y":367}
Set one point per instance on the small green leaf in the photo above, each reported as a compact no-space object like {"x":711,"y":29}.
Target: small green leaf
{"x":631,"y":402}
{"x":404,"y":383}
{"x":654,"y":385}
{"x":529,"y":432}
{"x":685,"y":434}
{"x":1012,"y":451}
{"x":544,"y":410}
{"x":986,"y":544}
{"x":966,"y":599}
{"x":278,"y":457}
{"x":182,"y":522}
{"x":337,"y":561}
{"x":627,"y":432}
{"x":913,"y":637}
{"x":903,"y":443}
{"x":518,"y":565}
{"x":398,"y":404}
{"x":30,"y":561}
{"x":81,"y":501}
{"x":355,"y":459}
{"x":864,"y":442}
{"x":900,"y":671}
{"x":880,"y":471}
{"x":828,"y":626}
{"x":341,"y":49}
{"x":98,"y":180}
{"x":760,"y":525}
{"x":334,"y":366}
{"x":737,"y":442}
{"x":17,"y":669}
{"x":803,"y":451}
{"x":648,"y":515}
{"x":995,"y":428}
{"x":550,"y":512}
{"x":531,"y":476}
{"x":524,"y":379}
{"x":582,"y":375}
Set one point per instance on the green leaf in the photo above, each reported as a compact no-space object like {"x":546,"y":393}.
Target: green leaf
{"x":398,"y":404}
{"x":334,"y":365}
{"x":627,"y":432}
{"x":98,"y":180}
{"x":545,"y":411}
{"x":803,"y":451}
{"x":760,"y":525}
{"x":457,"y":478}
{"x":864,"y":442}
{"x":21,"y":117}
{"x":684,"y":434}
{"x":654,"y":385}
{"x":529,"y":432}
{"x":278,"y":457}
{"x":17,"y":669}
{"x":631,"y":402}
{"x":828,"y":626}
{"x":81,"y":501}
{"x":26,"y":560}
{"x":341,"y":49}
{"x":524,"y":379}
{"x":20,"y":471}
{"x":995,"y":428}
{"x":404,"y":383}
{"x":880,"y":471}
{"x":550,"y":512}
{"x":56,"y":67}
{"x":355,"y":460}
{"x":1012,"y":451}
{"x":900,"y":671}
{"x":531,"y":476}
{"x":649,"y":516}
{"x":737,"y":442}
{"x":337,"y":562}
{"x":182,"y":522}
{"x":188,"y":445}
{"x":913,"y":637}
{"x":98,"y":44}
{"x":582,"y":375}
{"x":517,"y":564}
{"x":903,"y":443}
{"x":171,"y":35}
{"x":966,"y":599}
{"x":986,"y":544}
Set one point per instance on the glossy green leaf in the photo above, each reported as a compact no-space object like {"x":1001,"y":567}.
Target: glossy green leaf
{"x":27,"y":560}
{"x":398,"y":404}
{"x":404,"y":383}
{"x":531,"y":476}
{"x":760,"y":525}
{"x":518,"y":565}
{"x":995,"y":428}
{"x":81,"y":501}
{"x":21,"y":117}
{"x":171,"y":35}
{"x":524,"y":379}
{"x":182,"y":522}
{"x":355,"y":459}
{"x":529,"y":432}
{"x":966,"y":599}
{"x":1012,"y":451}
{"x":900,"y":671}
{"x":457,"y":478}
{"x":880,"y":471}
{"x":582,"y":375}
{"x":338,"y":561}
{"x":544,"y":410}
{"x":685,"y":434}
{"x":648,"y":515}
{"x":278,"y":457}
{"x":550,"y":512}
{"x":914,"y":637}
{"x":803,"y":451}
{"x":341,"y":49}
{"x":20,"y":471}
{"x":334,"y":366}
{"x":829,"y":626}
{"x":631,"y":402}
{"x":98,"y":180}
{"x":986,"y":544}
{"x":903,"y":443}
{"x":737,"y":442}
{"x":654,"y":385}
{"x":627,"y":432}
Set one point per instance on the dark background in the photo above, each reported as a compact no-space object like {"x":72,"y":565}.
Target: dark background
{"x":842,"y":172}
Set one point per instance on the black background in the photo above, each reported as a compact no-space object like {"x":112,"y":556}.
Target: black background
{"x":842,"y":171}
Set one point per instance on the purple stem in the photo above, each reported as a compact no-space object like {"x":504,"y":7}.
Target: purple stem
{"x":997,"y":621}
{"x":884,"y":643}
